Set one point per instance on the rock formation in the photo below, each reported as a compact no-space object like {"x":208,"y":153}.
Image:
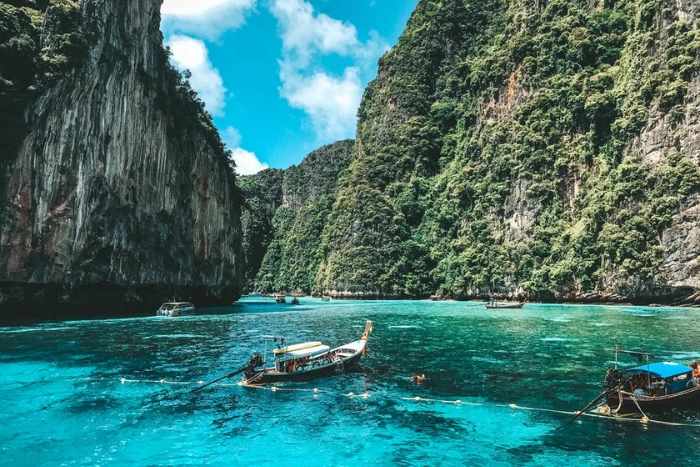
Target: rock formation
{"x":115,"y":190}
{"x":287,"y":212}
{"x":546,"y":150}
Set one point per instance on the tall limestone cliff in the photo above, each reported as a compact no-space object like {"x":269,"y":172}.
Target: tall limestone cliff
{"x":115,"y":189}
{"x":287,"y":212}
{"x":541,"y":149}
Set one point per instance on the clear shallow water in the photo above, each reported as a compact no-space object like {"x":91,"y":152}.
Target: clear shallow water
{"x":63,"y":402}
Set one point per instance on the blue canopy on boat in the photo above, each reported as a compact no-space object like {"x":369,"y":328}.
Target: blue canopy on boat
{"x":662,"y":369}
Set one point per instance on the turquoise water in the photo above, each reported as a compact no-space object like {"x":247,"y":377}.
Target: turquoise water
{"x":63,"y":402}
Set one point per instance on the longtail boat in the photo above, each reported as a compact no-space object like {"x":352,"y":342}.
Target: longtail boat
{"x":651,"y":387}
{"x":494,"y":305}
{"x":304,"y":361}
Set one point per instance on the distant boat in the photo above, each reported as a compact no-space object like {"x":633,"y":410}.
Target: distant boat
{"x":650,"y":387}
{"x":295,"y":301}
{"x":325,"y":298}
{"x":305,"y":361}
{"x":493,"y":305}
{"x":173,"y":309}
{"x":280,"y":299}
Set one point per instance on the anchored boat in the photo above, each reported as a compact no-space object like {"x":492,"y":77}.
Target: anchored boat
{"x":492,"y":305}
{"x":652,"y":387}
{"x":304,"y":361}
{"x":173,"y":309}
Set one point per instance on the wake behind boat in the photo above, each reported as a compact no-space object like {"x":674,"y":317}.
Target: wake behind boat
{"x":304,"y":361}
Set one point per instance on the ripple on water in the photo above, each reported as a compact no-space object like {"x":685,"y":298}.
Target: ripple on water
{"x":63,"y":402}
{"x":176,"y":336}
{"x":559,"y":319}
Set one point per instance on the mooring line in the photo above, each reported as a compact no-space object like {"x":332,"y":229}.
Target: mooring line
{"x":620,"y":418}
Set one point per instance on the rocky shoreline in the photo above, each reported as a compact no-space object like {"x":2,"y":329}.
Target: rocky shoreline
{"x":679,"y":296}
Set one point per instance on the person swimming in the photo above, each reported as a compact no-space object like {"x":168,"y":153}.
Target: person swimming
{"x":418,"y":378}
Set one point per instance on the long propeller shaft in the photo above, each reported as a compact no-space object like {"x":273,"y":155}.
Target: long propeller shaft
{"x":230,"y":375}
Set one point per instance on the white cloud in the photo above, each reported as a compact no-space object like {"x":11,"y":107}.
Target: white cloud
{"x":247,"y":162}
{"x":302,"y":33}
{"x":330,"y":101}
{"x":232,"y":137}
{"x":192,"y":54}
{"x":204,"y":18}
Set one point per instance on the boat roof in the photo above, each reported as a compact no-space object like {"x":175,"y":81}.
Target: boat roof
{"x":176,"y":303}
{"x":306,"y":352}
{"x":662,"y":369}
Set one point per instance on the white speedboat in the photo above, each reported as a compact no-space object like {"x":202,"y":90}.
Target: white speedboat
{"x":173,"y":309}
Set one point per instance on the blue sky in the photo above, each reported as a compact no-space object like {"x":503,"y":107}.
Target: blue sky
{"x":281,"y":77}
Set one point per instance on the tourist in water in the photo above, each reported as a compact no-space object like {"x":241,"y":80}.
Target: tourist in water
{"x":418,"y":378}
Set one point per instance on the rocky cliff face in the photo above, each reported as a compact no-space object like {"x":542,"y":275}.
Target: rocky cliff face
{"x":117,"y":192}
{"x":531,"y":149}
{"x":287,"y":212}
{"x":264,"y":196}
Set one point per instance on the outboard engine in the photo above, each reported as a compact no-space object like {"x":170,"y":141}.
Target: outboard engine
{"x":613,"y":379}
{"x":256,"y":360}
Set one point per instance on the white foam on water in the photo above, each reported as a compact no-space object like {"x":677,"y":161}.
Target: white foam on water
{"x":559,"y":319}
{"x":556,"y":339}
{"x":683,"y":355}
{"x":176,"y":336}
{"x":18,"y":330}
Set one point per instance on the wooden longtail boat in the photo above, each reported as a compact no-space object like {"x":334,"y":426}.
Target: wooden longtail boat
{"x":494,"y":305}
{"x":305,"y":361}
{"x":652,"y":387}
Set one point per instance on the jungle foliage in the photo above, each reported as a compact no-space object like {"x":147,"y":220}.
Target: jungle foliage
{"x":286,"y":212}
{"x":44,"y":41}
{"x":495,"y":152}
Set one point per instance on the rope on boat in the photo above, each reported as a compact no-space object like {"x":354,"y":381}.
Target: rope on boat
{"x":597,"y":414}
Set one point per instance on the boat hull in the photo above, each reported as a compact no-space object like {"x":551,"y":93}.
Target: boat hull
{"x":689,"y":398}
{"x":333,"y":368}
{"x":496,"y":307}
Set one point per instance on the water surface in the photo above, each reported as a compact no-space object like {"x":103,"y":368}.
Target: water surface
{"x":63,"y":401}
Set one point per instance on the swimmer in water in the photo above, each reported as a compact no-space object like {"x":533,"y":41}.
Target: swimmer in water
{"x":418,"y":378}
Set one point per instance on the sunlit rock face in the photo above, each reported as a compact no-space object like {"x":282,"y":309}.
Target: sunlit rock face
{"x":118,"y":193}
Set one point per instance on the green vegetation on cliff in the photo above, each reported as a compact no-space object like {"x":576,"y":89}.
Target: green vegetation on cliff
{"x":41,"y":40}
{"x":285,"y":217}
{"x":32,"y":57}
{"x":499,"y":151}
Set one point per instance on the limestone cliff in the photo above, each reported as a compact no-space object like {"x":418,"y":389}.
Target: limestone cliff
{"x":116,"y":190}
{"x":523,"y":148}
{"x":287,"y":212}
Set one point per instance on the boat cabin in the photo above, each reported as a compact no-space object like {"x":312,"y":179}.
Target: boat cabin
{"x":657,"y":379}
{"x":298,"y":357}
